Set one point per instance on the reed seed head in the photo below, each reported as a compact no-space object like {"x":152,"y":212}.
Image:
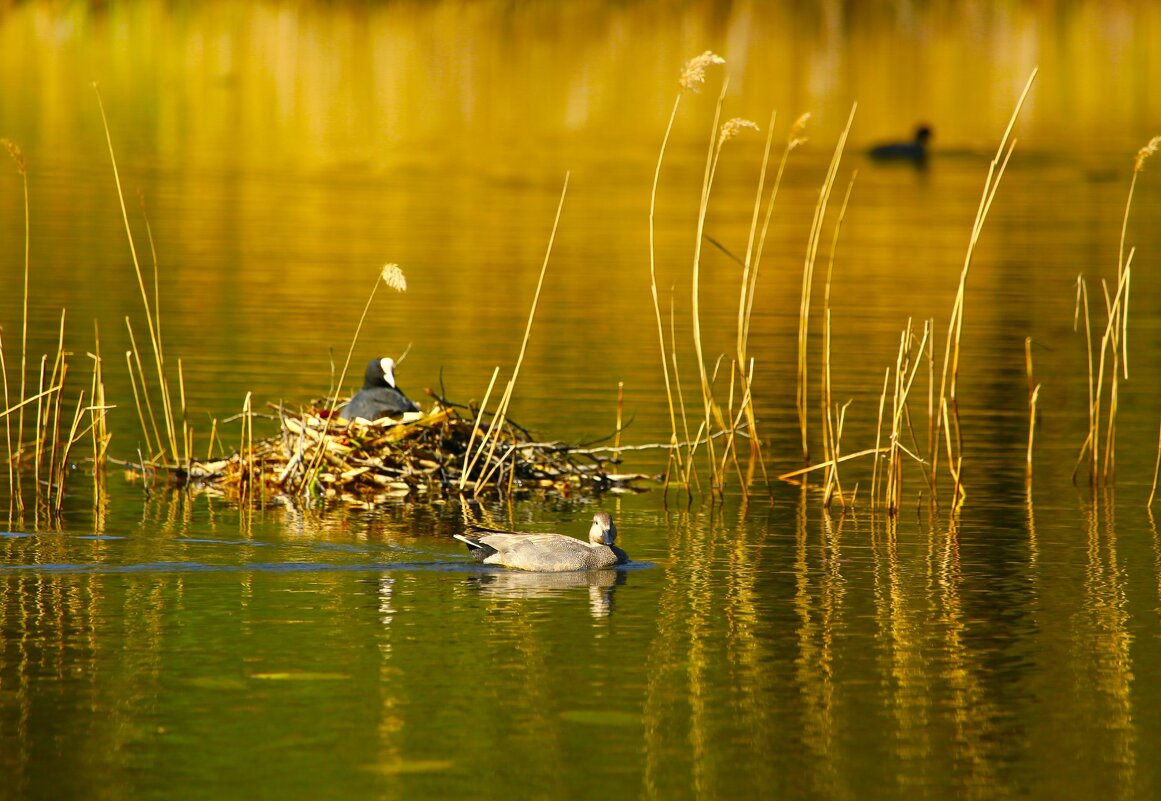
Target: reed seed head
{"x":17,"y":155}
{"x":693,"y":73}
{"x":1145,"y":152}
{"x":731,"y":128}
{"x":795,"y":137}
{"x":394,"y":278}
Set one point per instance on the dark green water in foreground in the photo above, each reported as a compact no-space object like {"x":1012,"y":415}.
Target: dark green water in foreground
{"x":170,"y":645}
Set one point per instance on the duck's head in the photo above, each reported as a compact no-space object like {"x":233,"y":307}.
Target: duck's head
{"x":603,"y":531}
{"x":380,"y":373}
{"x":922,"y":134}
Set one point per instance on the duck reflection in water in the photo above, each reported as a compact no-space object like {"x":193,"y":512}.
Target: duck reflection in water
{"x":914,"y":151}
{"x":512,"y":584}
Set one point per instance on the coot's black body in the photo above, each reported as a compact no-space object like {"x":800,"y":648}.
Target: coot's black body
{"x":379,"y":397}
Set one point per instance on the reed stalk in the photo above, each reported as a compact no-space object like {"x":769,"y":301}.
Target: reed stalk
{"x":620,"y":415}
{"x":747,"y":285}
{"x":808,"y":281}
{"x":688,"y":467}
{"x":61,"y":467}
{"x":716,"y":140}
{"x":187,"y":433}
{"x":98,"y":415}
{"x":1032,"y":399}
{"x":1101,"y":470}
{"x":950,"y":376}
{"x":1082,"y":303}
{"x":151,"y":323}
{"x":692,"y":77}
{"x":246,"y":449}
{"x":906,"y":370}
{"x":1156,"y":471}
{"x":825,"y":394}
{"x":154,"y":447}
{"x":39,"y":440}
{"x":22,"y":169}
{"x":876,"y":469}
{"x":500,"y":417}
{"x":468,"y":461}
{"x":833,"y":484}
{"x":8,"y":455}
{"x":53,"y":419}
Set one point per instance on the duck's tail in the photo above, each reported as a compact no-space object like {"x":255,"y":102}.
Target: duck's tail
{"x":479,"y":551}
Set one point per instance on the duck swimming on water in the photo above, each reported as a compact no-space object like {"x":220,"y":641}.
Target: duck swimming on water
{"x":549,"y":553}
{"x":915,"y":150}
{"x":379,"y":397}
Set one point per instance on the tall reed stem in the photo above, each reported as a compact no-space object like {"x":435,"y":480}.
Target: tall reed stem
{"x":495,"y":430}
{"x":808,"y":281}
{"x":950,"y":375}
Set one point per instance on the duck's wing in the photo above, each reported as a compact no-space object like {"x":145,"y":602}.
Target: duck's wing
{"x":540,"y":552}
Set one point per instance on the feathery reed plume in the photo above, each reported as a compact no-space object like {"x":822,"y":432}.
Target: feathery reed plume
{"x":693,"y":73}
{"x":692,"y":77}
{"x":948,"y":381}
{"x":393,"y":277}
{"x":808,"y":279}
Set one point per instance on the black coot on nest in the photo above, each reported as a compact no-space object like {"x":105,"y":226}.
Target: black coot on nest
{"x":379,"y":397}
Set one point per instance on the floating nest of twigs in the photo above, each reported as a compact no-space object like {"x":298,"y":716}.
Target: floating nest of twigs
{"x":423,"y":455}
